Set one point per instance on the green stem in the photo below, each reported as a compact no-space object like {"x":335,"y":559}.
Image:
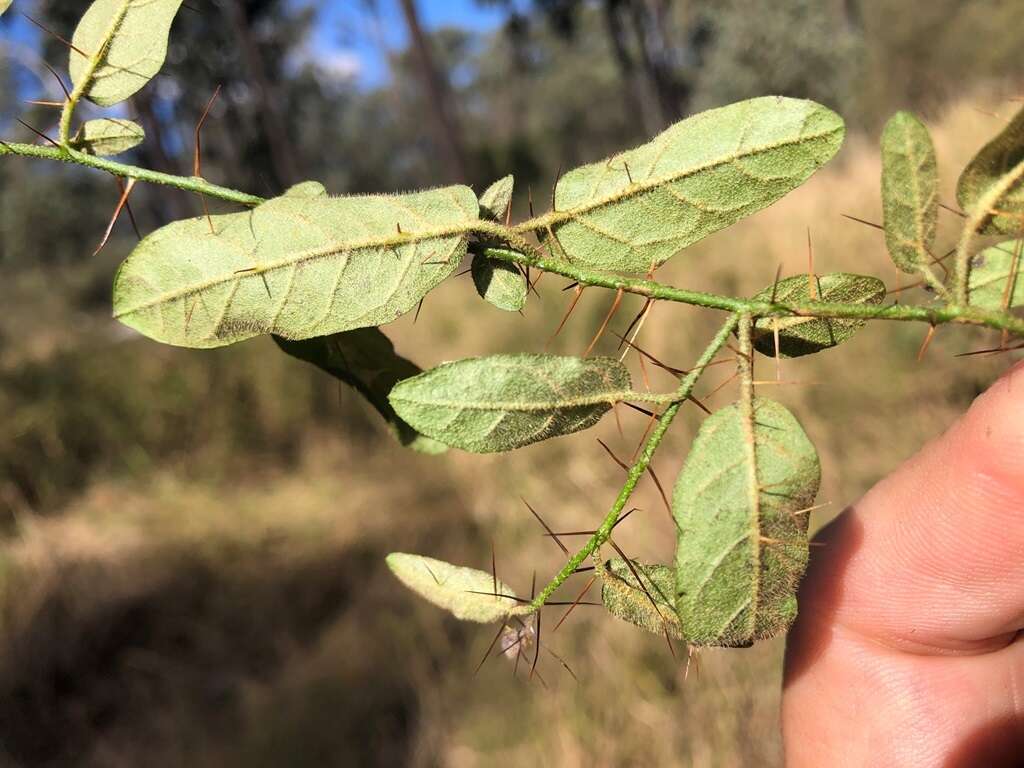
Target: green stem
{"x":980,"y":214}
{"x":640,"y":465}
{"x":187,"y":183}
{"x":937,"y":315}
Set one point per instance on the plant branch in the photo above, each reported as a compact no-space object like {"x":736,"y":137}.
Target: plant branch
{"x":979,"y":216}
{"x":187,"y":183}
{"x":640,"y":466}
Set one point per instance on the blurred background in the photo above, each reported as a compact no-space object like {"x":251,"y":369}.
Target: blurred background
{"x":192,"y":542}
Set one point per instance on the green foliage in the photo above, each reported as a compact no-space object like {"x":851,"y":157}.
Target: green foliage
{"x":995,"y":179}
{"x":125,"y":42}
{"x":740,"y":504}
{"x":910,"y":191}
{"x":997,"y":277}
{"x":366,"y":360}
{"x":469,"y":594}
{"x":806,"y":335}
{"x":636,"y":210}
{"x":108,"y":136}
{"x":496,"y":199}
{"x":296,"y":266}
{"x":500,"y":283}
{"x":647,"y":602}
{"x":502,"y":402}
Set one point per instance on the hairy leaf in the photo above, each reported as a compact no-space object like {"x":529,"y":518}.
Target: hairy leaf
{"x":807,"y":335}
{"x":366,"y":360}
{"x":624,"y":598}
{"x":297,"y":266}
{"x":108,"y":136}
{"x":637,"y":209}
{"x":502,"y":402}
{"x":910,"y":191}
{"x":997,"y":277}
{"x":468,"y":593}
{"x":124,"y":42}
{"x":500,"y":283}
{"x":992,"y":168}
{"x":495,"y":200}
{"x":742,"y":550}
{"x":306,"y":189}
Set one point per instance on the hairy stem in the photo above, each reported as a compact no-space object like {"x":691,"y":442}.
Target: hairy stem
{"x":187,"y":183}
{"x":980,"y":214}
{"x":640,"y":465}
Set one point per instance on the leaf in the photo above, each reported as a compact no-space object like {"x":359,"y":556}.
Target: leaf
{"x":738,"y":563}
{"x":4,"y":5}
{"x":498,"y":403}
{"x":806,"y":335}
{"x":365,"y":359}
{"x":997,"y":277}
{"x":910,"y":191}
{"x":125,"y":44}
{"x":454,"y":588}
{"x":499,"y":283}
{"x":108,"y":136}
{"x":639,"y":208}
{"x":296,"y":266}
{"x":625,"y":599}
{"x":496,"y":199}
{"x":990,"y":168}
{"x":306,"y":189}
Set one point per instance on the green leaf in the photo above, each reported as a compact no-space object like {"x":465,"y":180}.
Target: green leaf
{"x":500,"y":283}
{"x":124,"y":42}
{"x":997,"y":277}
{"x":468,"y":593}
{"x":296,"y":266}
{"x":910,"y":191}
{"x":989,"y":169}
{"x":108,"y":136}
{"x":498,"y":403}
{"x":742,"y":549}
{"x":365,"y":359}
{"x":639,"y":208}
{"x":306,"y":189}
{"x":807,"y":335}
{"x":4,"y":5}
{"x":496,"y":199}
{"x":651,"y":607}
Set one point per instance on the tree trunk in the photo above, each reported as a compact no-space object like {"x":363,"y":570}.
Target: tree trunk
{"x":632,"y":86}
{"x":445,"y":124}
{"x":282,"y":157}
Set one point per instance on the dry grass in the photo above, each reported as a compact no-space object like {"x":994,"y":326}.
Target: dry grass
{"x":249,"y":619}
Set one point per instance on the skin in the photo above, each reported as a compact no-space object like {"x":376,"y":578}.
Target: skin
{"x":909,"y":650}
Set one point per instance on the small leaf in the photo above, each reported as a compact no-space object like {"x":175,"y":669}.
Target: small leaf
{"x":365,"y":359}
{"x":910,"y":191}
{"x":297,"y":266}
{"x":742,"y":550}
{"x":496,"y":199}
{"x":498,"y":403}
{"x":625,"y":599}
{"x":987,"y":170}
{"x":637,"y":209}
{"x":806,"y":335}
{"x":108,"y":136}
{"x":499,"y":283}
{"x":466,"y":592}
{"x":997,"y":277}
{"x":124,"y":42}
{"x":306,"y":189}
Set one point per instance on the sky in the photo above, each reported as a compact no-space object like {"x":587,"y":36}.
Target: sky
{"x":348,"y":40}
{"x":354,"y":41}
